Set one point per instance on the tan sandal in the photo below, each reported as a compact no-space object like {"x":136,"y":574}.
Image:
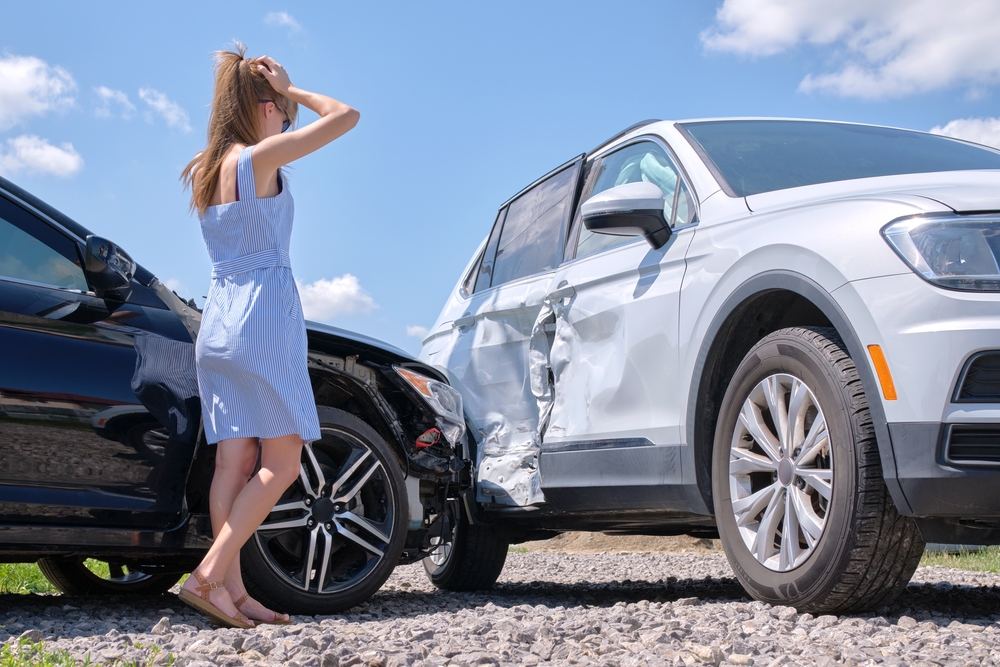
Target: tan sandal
{"x":203,"y":603}
{"x":279,"y":619}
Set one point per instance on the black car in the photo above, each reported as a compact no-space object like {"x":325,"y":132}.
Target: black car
{"x":102,"y":452}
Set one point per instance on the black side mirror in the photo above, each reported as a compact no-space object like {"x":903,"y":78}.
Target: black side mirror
{"x":109,"y":269}
{"x":632,"y":209}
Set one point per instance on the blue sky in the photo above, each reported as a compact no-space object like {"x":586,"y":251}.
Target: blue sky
{"x":462,"y":104}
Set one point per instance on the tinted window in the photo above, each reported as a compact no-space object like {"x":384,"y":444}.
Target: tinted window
{"x":532,"y":237}
{"x":644,"y":161}
{"x":31,"y":250}
{"x":757,"y":156}
{"x":485,"y":271}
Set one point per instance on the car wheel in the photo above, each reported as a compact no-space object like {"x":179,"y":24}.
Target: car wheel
{"x":469,"y":558}
{"x":801,"y":506}
{"x":335,"y":536}
{"x":80,"y":576}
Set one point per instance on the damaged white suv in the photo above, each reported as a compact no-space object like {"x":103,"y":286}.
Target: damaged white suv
{"x":784,"y":331}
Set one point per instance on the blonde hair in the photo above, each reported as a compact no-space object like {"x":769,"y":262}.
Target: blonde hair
{"x":234,"y":119}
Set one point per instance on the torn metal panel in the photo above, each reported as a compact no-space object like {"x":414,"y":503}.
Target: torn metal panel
{"x":499,"y":363}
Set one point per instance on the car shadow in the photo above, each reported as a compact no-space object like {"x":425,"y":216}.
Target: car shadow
{"x":941,"y":604}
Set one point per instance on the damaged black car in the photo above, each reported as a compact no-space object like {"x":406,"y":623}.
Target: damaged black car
{"x":103,"y":458}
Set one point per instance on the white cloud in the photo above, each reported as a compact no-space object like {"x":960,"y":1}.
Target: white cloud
{"x":881,"y":48}
{"x":30,"y":87}
{"x":282,"y":19}
{"x":36,"y":155}
{"x":980,"y":130}
{"x":170,"y":111}
{"x":326,"y":298}
{"x":114,"y":104}
{"x":416,"y":331}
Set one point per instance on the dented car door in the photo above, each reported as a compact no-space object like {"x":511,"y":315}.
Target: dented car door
{"x":615,"y":408}
{"x":489,"y":350}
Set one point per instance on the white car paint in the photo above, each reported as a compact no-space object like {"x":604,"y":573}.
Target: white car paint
{"x":628,"y":344}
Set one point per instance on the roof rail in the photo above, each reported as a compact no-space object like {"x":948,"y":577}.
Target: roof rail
{"x":621,"y":134}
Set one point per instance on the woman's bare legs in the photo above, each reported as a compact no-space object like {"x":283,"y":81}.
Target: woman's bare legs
{"x":235,"y":459}
{"x":278,"y":470}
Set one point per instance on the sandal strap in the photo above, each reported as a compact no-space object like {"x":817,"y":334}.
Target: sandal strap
{"x":242,"y":618}
{"x":243,"y":598}
{"x":206,"y":585}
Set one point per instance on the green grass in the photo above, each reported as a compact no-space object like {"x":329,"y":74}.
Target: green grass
{"x":985,"y":560}
{"x":30,"y":654}
{"x":26,"y":653}
{"x":23,"y":578}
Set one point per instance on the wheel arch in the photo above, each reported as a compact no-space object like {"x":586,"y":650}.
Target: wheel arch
{"x":761,"y":305}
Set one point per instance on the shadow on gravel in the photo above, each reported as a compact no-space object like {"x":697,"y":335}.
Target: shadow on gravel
{"x":944,"y":602}
{"x":70,"y":616}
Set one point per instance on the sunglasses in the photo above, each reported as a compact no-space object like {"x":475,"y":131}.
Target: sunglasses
{"x":286,"y":123}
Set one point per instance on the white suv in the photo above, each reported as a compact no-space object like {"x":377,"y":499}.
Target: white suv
{"x":785,"y":331}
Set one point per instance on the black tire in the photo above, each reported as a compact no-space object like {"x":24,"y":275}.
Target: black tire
{"x":72,"y":576}
{"x":350,"y":456}
{"x":470,"y":560}
{"x":865,"y":551}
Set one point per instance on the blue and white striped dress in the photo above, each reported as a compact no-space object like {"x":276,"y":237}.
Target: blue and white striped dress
{"x":251,"y":349}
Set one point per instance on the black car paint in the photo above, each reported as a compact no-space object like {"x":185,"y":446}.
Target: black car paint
{"x":83,"y":383}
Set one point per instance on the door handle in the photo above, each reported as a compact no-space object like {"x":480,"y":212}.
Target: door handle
{"x":564,"y":292}
{"x":466,"y":320}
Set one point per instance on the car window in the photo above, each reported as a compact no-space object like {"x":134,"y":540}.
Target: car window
{"x":755,"y":156}
{"x":531,"y":240}
{"x":643,"y":161}
{"x":485,"y":271}
{"x":32,"y":250}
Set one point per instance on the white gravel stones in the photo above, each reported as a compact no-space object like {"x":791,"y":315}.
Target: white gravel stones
{"x":548,"y":609}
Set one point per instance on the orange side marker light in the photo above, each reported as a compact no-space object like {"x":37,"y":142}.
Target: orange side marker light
{"x":882,"y":368}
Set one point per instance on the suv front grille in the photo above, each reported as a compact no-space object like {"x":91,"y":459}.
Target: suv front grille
{"x":968,"y":443}
{"x":980,"y":382}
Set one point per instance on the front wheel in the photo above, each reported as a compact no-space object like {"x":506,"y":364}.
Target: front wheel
{"x":802,"y":509}
{"x":335,"y":536}
{"x":468,"y":558}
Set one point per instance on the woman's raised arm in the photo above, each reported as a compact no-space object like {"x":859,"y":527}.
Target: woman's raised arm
{"x":336,"y":119}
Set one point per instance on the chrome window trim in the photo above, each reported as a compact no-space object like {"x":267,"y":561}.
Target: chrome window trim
{"x":32,"y":283}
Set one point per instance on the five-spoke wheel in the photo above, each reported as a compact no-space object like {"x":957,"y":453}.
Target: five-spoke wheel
{"x":337,"y":533}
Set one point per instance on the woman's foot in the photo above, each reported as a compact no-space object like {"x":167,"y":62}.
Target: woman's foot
{"x":212,"y":598}
{"x":256,"y":611}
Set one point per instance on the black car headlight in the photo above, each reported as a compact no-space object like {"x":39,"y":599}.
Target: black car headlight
{"x":443,"y":399}
{"x":953,"y":252}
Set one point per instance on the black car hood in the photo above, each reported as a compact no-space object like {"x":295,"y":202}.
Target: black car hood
{"x":344,"y":343}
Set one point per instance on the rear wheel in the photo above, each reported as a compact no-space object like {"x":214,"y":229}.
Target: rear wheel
{"x":88,"y":576}
{"x":335,"y":536}
{"x":802,"y":509}
{"x":468,"y":558}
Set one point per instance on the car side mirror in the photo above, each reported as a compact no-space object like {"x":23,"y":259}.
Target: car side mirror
{"x":109,"y":269}
{"x":632,"y":209}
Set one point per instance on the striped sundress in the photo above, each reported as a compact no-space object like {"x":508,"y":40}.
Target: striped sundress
{"x":251,"y":349}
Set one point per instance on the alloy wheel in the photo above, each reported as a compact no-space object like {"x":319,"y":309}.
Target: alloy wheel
{"x":334,"y":525}
{"x":781,"y":472}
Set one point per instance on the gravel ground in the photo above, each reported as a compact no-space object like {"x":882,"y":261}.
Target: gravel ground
{"x":549,"y":608}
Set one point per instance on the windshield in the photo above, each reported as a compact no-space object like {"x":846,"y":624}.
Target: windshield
{"x":755,"y":156}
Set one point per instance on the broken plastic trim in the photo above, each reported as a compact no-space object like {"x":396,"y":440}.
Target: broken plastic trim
{"x":444,"y":400}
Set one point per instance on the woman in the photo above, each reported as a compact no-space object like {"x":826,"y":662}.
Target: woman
{"x":251,"y":350}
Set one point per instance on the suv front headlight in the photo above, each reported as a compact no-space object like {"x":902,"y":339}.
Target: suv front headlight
{"x":959,"y":253}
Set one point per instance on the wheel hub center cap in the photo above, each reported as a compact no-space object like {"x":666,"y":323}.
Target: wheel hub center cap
{"x":785,"y":471}
{"x":323,"y":510}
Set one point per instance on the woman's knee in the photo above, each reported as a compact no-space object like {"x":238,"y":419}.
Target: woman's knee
{"x":236,"y":459}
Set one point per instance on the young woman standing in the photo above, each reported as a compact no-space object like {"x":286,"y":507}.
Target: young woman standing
{"x":251,"y":350}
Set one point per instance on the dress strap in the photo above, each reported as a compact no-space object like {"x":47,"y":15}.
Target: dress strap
{"x":246,"y":187}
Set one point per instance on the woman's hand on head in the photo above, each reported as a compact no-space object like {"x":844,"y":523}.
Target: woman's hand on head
{"x":274,"y":73}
